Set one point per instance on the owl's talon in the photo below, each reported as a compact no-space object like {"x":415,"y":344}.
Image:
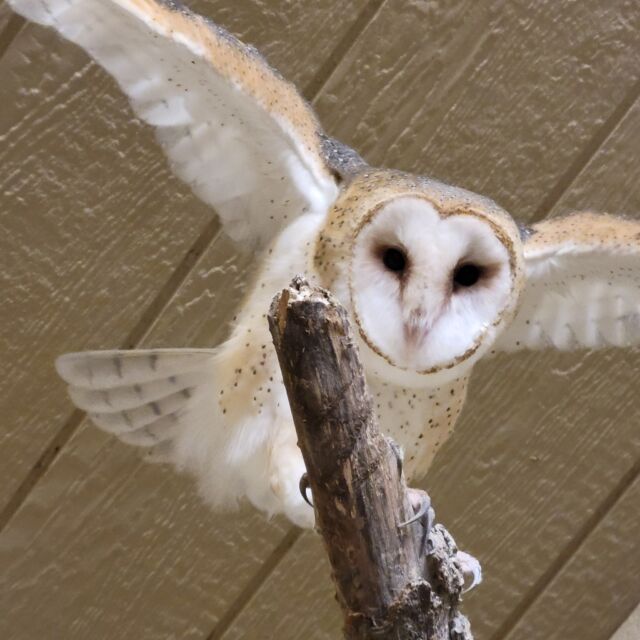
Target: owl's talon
{"x":397,"y":452}
{"x":423,"y":510}
{"x":470,"y":567}
{"x":421,"y":503}
{"x":304,"y":485}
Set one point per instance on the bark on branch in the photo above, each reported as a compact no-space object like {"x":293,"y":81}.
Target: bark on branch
{"x":387,"y":586}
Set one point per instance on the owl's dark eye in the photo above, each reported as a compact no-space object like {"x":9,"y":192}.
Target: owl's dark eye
{"x":466,"y":275}
{"x":394,"y":259}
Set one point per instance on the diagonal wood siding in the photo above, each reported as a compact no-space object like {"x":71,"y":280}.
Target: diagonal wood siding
{"x":531,"y":103}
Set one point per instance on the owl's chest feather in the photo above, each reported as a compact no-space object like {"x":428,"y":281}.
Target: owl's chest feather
{"x":419,"y":420}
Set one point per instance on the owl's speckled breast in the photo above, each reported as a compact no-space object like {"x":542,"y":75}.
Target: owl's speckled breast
{"x":419,"y":420}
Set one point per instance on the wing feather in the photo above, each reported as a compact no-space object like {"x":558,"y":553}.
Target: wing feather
{"x":166,"y":400}
{"x":582,"y":285}
{"x":112,"y":369}
{"x":144,"y":397}
{"x":240,"y":135}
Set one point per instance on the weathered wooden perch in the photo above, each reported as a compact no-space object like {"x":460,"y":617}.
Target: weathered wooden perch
{"x":387,"y":586}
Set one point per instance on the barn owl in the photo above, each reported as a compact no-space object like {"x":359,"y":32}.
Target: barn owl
{"x":433,"y":277}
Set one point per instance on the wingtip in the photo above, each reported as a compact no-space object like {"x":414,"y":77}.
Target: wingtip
{"x":67,"y":366}
{"x":62,"y":365}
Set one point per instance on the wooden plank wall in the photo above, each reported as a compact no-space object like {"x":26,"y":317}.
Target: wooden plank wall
{"x":535,"y":104}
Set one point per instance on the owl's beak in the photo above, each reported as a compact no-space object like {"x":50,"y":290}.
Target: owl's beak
{"x":419,"y":323}
{"x":416,"y":328}
{"x":424,"y":303}
{"x":414,"y":336}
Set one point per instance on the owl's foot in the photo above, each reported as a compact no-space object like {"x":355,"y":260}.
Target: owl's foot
{"x":470,"y":568}
{"x":423,"y":513}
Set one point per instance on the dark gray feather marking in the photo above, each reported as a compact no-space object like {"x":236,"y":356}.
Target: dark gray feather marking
{"x":630,"y":323}
{"x":117,"y":363}
{"x":187,"y":393}
{"x":150,"y":434}
{"x":342,"y":160}
{"x":138,"y":389}
{"x":155,"y":407}
{"x":153,"y":361}
{"x":525,"y":231}
{"x":107,"y":400}
{"x":173,"y":379}
{"x":127,"y":419}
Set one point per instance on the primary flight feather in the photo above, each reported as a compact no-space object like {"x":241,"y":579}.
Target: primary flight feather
{"x":433,"y":277}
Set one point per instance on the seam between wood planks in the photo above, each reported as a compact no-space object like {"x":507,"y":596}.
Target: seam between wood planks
{"x":253,"y":586}
{"x":326,"y":70}
{"x":595,"y":143}
{"x":466,"y":47}
{"x":11,"y":31}
{"x":578,"y":541}
{"x":45,"y":460}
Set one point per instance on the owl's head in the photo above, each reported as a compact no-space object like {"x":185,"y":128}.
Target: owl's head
{"x":429,"y":273}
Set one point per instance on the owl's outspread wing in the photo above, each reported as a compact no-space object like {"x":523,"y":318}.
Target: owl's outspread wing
{"x":143,"y":397}
{"x":582,"y":285}
{"x":163,"y":400}
{"x":239,"y":134}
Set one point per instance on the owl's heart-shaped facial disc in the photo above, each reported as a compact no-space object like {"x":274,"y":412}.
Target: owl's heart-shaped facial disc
{"x":428,"y":286}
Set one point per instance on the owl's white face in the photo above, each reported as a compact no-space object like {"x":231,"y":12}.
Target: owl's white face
{"x":427,"y":290}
